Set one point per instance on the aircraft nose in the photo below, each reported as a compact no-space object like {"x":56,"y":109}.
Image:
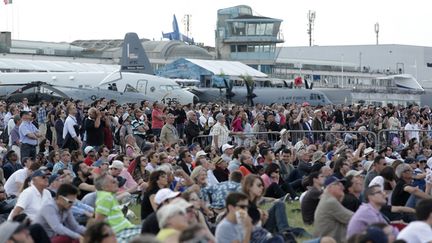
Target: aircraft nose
{"x":195,"y":99}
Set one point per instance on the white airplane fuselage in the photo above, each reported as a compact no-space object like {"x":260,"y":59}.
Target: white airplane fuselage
{"x":153,"y":87}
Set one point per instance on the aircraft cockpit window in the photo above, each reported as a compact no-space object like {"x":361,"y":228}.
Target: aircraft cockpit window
{"x":129,"y":88}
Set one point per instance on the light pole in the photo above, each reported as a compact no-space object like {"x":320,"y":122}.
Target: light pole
{"x":311,"y":19}
{"x":377,"y":31}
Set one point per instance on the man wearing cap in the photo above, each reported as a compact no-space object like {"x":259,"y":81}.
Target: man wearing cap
{"x":378,"y":165}
{"x":90,"y":153}
{"x":220,"y":132}
{"x":125,"y":179}
{"x":94,"y":126}
{"x":369,"y":212}
{"x":29,"y":135}
{"x":331,"y":218}
{"x":64,"y":163}
{"x":283,"y":142}
{"x":227,"y":152}
{"x":172,"y":219}
{"x":55,"y":216}
{"x":13,"y":232}
{"x":33,"y":197}
{"x":163,"y":197}
{"x":109,"y":210}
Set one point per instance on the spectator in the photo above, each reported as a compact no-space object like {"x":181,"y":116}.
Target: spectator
{"x":56,"y":217}
{"x":32,"y":198}
{"x":420,"y":230}
{"x":99,"y":232}
{"x":15,"y":182}
{"x":83,"y":180}
{"x":169,"y":134}
{"x":331,"y":218}
{"x":353,"y":189}
{"x":107,"y":208}
{"x":71,"y":138}
{"x":219,"y":132}
{"x":14,"y":232}
{"x":29,"y":135}
{"x":309,"y":203}
{"x":94,"y":126}
{"x":237,"y":225}
{"x":368,"y":213}
{"x":193,"y":128}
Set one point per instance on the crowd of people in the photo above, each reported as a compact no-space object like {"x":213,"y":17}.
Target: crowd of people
{"x":105,"y":172}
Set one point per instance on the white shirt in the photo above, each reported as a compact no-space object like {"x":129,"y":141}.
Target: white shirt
{"x":69,"y":127}
{"x":211,"y":178}
{"x":11,"y":187}
{"x":31,"y":201}
{"x":413,"y":134}
{"x":416,"y":232}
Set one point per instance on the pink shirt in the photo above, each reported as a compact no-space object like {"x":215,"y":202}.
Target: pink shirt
{"x":267,"y":180}
{"x":130,"y":182}
{"x":156,"y":123}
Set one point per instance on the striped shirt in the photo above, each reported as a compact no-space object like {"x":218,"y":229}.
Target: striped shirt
{"x":107,"y":205}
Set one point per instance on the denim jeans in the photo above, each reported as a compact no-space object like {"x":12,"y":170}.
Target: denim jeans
{"x":277,"y":221}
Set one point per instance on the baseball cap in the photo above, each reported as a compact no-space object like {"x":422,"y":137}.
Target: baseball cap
{"x":164,"y":194}
{"x":191,"y":147}
{"x":332,"y":179}
{"x":421,"y":158}
{"x":410,"y":160}
{"x":283,"y":131}
{"x":8,"y":228}
{"x":117,"y":164}
{"x":111,"y":157}
{"x":88,"y":149}
{"x":200,"y":153}
{"x":226,"y":146}
{"x":39,"y":173}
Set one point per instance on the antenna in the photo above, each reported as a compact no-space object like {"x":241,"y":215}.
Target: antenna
{"x":377,"y":31}
{"x":187,"y":23}
{"x":311,"y":20}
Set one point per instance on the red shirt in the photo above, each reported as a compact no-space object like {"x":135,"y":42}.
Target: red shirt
{"x":156,"y":123}
{"x":89,"y":161}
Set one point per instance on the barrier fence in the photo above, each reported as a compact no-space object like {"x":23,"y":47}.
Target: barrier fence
{"x":351,"y":138}
{"x":387,"y":136}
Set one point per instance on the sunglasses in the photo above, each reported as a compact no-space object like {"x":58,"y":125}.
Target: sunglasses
{"x":67,"y":200}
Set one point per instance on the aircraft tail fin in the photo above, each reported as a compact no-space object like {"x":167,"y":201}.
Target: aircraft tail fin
{"x":134,"y":58}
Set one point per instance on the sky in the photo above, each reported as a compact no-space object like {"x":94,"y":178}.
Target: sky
{"x":338,"y":22}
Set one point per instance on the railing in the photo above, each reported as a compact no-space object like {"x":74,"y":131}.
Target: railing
{"x":386,"y":136}
{"x":351,"y":138}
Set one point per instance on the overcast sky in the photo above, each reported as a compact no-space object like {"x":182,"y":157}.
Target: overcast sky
{"x":338,"y":22}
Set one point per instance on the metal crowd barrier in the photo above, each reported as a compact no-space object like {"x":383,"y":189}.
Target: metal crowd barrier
{"x":351,"y":138}
{"x":386,"y":136}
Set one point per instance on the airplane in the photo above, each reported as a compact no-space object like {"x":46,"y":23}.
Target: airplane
{"x":176,"y":35}
{"x":263,"y":91}
{"x":134,"y":81}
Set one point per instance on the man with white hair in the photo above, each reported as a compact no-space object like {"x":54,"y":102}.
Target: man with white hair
{"x":193,"y":128}
{"x":220,"y":132}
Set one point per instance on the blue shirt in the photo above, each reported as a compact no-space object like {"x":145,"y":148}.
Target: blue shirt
{"x":60,"y":165}
{"x":216,"y":194}
{"x":25,"y":128}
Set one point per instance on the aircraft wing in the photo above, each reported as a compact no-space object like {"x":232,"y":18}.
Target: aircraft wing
{"x":169,"y":36}
{"x":187,"y":39}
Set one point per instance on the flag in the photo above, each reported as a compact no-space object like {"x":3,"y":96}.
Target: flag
{"x":7,"y":2}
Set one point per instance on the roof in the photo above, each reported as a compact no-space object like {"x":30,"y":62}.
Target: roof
{"x":227,"y":67}
{"x":52,"y":66}
{"x":316,"y":62}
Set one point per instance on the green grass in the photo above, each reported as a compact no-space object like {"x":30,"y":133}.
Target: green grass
{"x":294,"y":217}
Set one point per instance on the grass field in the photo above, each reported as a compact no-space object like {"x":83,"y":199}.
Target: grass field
{"x":292,"y":210}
